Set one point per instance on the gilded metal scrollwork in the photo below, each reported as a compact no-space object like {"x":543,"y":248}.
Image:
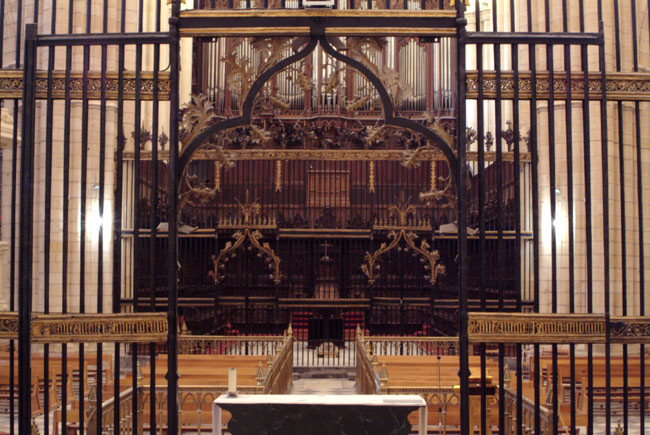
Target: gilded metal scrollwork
{"x":619,"y":86}
{"x":249,"y":231}
{"x":198,"y":115}
{"x":402,"y":232}
{"x":11,"y":84}
{"x":8,"y":325}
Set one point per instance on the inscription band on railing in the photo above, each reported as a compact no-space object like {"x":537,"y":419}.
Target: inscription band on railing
{"x":555,"y":328}
{"x":94,"y":328}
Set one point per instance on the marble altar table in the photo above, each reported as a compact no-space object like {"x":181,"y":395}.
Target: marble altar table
{"x":319,"y":414}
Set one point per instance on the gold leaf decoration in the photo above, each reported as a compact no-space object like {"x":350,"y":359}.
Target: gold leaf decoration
{"x":401,"y":232}
{"x":248,"y":232}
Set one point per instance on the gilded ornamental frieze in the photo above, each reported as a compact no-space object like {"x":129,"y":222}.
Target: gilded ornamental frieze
{"x":11,"y":85}
{"x":90,"y":328}
{"x":535,"y":328}
{"x":629,"y":329}
{"x":555,"y":328}
{"x":8,"y":325}
{"x":619,"y":86}
{"x":328,"y":155}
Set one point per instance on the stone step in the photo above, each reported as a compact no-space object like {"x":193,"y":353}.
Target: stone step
{"x":323,"y":380}
{"x":324,"y":373}
{"x":323,"y":386}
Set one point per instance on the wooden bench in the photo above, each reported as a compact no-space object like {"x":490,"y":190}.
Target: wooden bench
{"x":422,"y":373}
{"x":200,"y":373}
{"x":597,"y":386}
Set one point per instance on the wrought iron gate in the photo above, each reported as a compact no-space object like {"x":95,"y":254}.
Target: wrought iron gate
{"x":99,"y":86}
{"x":539,"y":226}
{"x":548,"y":72}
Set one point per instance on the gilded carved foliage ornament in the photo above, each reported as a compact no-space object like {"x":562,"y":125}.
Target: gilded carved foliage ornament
{"x":445,"y":197}
{"x":366,"y":50}
{"x":249,"y":231}
{"x":399,"y":232}
{"x":243,"y":73}
{"x":274,"y":62}
{"x":200,"y":128}
{"x":197,"y":115}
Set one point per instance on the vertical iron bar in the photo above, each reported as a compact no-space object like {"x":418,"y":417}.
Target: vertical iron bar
{"x":605,"y":181}
{"x":66,"y":215}
{"x":639,"y":187}
{"x":532,"y":62}
{"x":552,"y":194}
{"x":568,"y":119}
{"x":137,"y":197}
{"x":588,"y":234}
{"x":481,"y":213}
{"x":172,"y":198}
{"x":517,"y":215}
{"x":117,"y":218}
{"x":462,"y":218}
{"x":100,"y":241}
{"x":621,"y":162}
{"x":499,"y":253}
{"x":26,"y":230}
{"x":82,"y":207}
{"x":14,"y":192}
{"x":47,"y":220}
{"x":154,"y":222}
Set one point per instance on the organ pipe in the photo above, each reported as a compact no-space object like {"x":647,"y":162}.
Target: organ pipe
{"x":409,"y":58}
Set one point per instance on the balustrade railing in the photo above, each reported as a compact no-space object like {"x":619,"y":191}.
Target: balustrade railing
{"x":278,"y":379}
{"x":409,"y":345}
{"x":367,"y":378}
{"x":128,"y":425}
{"x":230,"y":345}
{"x":195,"y":401}
{"x":528,"y":415}
{"x":374,"y":379}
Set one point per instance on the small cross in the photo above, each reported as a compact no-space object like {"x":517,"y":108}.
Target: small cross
{"x":326,"y":245}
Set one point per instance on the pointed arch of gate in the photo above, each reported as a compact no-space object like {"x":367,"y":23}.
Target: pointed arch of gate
{"x":389,"y":109}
